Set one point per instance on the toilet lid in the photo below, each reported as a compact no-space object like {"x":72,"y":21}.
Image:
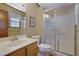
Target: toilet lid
{"x":44,"y":46}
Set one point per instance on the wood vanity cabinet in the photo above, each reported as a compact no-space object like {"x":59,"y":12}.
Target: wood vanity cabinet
{"x":29,"y":50}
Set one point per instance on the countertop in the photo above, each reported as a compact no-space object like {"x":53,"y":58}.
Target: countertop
{"x":7,"y":47}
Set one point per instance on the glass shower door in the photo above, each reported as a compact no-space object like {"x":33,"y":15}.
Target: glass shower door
{"x":59,"y":30}
{"x":49,"y":32}
{"x":65,"y":30}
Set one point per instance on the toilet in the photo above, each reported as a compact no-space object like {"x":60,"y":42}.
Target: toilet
{"x":43,"y":48}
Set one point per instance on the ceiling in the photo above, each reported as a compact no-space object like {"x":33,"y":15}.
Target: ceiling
{"x":19,"y":6}
{"x":48,"y":6}
{"x":45,"y":6}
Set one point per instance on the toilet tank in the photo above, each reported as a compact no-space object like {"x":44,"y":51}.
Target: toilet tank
{"x":37,"y":37}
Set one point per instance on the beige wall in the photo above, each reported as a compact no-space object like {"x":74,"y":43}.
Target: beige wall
{"x":39,"y":21}
{"x":37,"y":13}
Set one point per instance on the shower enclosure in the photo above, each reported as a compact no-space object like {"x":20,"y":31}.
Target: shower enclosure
{"x":59,"y":29}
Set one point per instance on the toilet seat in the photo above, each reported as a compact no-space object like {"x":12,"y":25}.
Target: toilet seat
{"x":44,"y":45}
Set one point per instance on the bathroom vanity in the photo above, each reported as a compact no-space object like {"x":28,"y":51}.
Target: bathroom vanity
{"x":26,"y":47}
{"x":29,"y":50}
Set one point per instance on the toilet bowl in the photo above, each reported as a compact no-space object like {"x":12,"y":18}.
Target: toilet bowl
{"x":42,"y":47}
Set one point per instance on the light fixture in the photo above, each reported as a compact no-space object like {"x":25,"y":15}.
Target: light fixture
{"x":47,"y":16}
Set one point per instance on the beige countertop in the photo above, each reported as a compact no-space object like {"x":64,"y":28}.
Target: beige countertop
{"x":7,"y":47}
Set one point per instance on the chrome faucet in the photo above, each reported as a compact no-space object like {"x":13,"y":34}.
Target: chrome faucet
{"x":15,"y":38}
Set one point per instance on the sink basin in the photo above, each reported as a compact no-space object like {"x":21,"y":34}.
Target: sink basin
{"x":16,"y":43}
{"x":4,"y":44}
{"x":2,"y":48}
{"x":11,"y":43}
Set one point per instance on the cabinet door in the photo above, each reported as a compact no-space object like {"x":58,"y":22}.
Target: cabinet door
{"x":65,"y":30}
{"x":32,"y":49}
{"x":3,"y":23}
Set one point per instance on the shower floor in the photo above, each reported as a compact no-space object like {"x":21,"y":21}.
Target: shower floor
{"x":53,"y":53}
